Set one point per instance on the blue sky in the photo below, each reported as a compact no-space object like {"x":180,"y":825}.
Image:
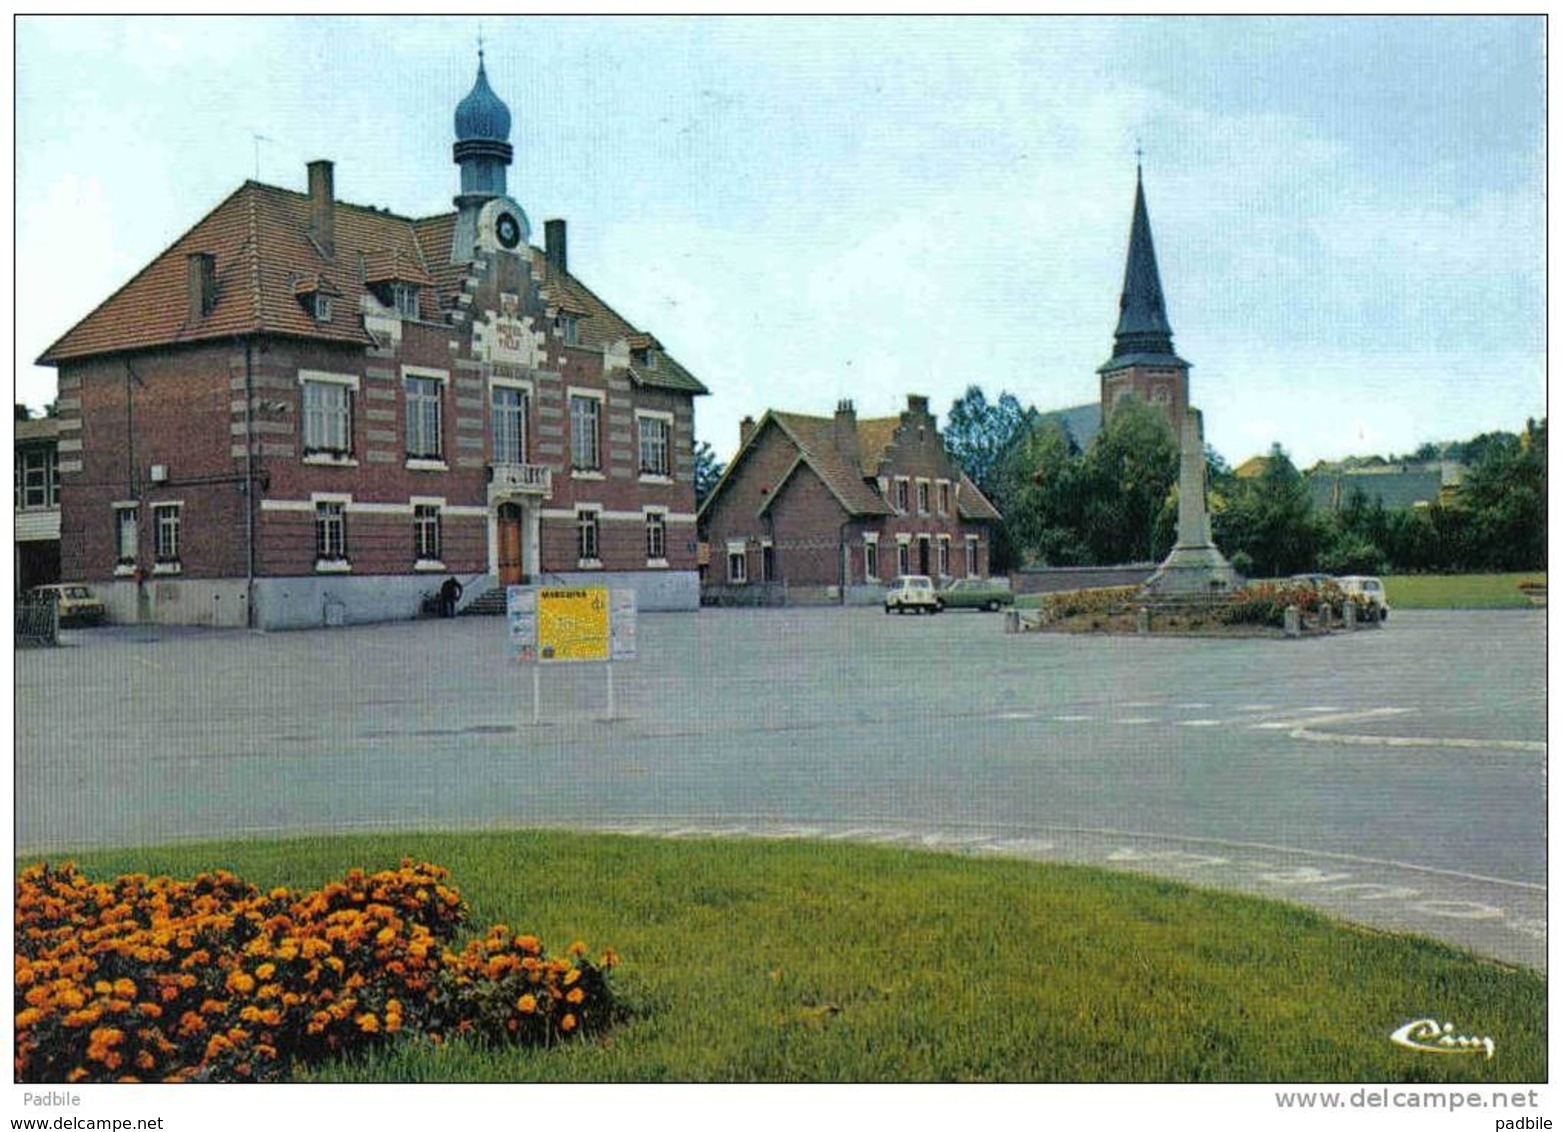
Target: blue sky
{"x":1348,"y":212}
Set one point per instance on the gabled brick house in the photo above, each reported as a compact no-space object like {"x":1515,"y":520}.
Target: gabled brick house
{"x":836,"y":506}
{"x":310,"y":412}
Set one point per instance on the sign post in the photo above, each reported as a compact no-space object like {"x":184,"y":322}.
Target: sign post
{"x":562,"y":624}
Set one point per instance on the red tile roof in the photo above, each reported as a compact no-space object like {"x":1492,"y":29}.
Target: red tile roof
{"x":851,"y":481}
{"x":265,"y":260}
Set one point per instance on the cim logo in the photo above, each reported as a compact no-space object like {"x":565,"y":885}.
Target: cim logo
{"x":1427,"y":1035}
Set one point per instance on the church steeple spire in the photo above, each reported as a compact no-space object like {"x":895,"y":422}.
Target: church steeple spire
{"x":1142,"y":325}
{"x":1143,"y":362}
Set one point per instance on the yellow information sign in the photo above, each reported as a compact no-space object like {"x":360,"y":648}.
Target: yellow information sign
{"x":572,"y":624}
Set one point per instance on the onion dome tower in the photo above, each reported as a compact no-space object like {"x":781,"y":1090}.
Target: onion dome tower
{"x":483,"y":152}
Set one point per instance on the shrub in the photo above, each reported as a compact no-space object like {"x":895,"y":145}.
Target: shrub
{"x":154,"y":979}
{"x":1264,"y":603}
{"x":1077,"y":603}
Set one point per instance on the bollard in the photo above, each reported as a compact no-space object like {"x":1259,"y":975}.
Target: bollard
{"x":1143,"y":625}
{"x":1011,"y":621}
{"x":1349,"y":614}
{"x":1323,"y":616}
{"x":1293,"y":621}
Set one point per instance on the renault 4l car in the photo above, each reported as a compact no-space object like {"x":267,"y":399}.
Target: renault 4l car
{"x":912,"y":592}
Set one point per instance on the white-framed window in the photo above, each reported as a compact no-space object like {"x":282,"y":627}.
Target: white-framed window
{"x":943,"y":497}
{"x":405,"y":297}
{"x":569,"y":327}
{"x":37,"y":478}
{"x":737,"y":562}
{"x":509,"y":421}
{"x":426,"y":542}
{"x":972,"y":556}
{"x":165,"y":532}
{"x":655,"y":536}
{"x":330,"y":531}
{"x":923,"y":499}
{"x":943,"y":556}
{"x":425,"y":434}
{"x":127,"y":535}
{"x":588,"y":535}
{"x":902,"y":496}
{"x":655,"y":444}
{"x":903,"y":554}
{"x":870,"y":558}
{"x":322,"y":307}
{"x":585,"y":431}
{"x":328,"y":415}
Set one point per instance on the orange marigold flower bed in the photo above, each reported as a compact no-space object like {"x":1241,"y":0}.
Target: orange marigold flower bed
{"x":210,"y":979}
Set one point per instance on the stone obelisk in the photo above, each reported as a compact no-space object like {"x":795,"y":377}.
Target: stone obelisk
{"x":1195,"y":567}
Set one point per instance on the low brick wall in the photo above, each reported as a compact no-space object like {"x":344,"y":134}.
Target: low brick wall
{"x":1059,"y":579}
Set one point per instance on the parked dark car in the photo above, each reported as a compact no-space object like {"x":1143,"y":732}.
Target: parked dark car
{"x":976,"y":593}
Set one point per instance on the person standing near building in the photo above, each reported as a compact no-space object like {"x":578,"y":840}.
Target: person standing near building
{"x":449,"y":594}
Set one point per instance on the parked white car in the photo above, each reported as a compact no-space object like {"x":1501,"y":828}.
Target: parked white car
{"x":1368,"y":593}
{"x":914,"y":592}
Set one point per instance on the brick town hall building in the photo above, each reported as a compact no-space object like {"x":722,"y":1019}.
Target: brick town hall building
{"x":308,"y":412}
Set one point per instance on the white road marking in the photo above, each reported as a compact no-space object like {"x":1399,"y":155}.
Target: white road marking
{"x":1337,"y":717}
{"x":1411,"y":741}
{"x":1199,"y":722}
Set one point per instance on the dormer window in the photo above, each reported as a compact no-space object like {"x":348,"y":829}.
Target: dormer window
{"x":315,"y":295}
{"x":405,"y":297}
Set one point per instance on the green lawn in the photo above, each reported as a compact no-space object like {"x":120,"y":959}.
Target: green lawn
{"x":798,"y":961}
{"x":1459,"y":591}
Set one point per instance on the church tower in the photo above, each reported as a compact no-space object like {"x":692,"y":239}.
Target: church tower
{"x":484,"y":211}
{"x":1143,"y":363}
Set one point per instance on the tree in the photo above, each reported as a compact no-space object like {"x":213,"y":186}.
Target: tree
{"x":979,"y":434}
{"x":1040,"y":478}
{"x":1269,"y":520}
{"x":23,"y":413}
{"x":1126,"y":480}
{"x":1504,"y":496}
{"x":1353,"y":542}
{"x":707,"y":472}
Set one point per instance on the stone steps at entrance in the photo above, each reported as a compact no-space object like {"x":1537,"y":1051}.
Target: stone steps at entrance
{"x":490,"y":603}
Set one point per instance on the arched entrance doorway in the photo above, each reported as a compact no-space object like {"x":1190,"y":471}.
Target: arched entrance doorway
{"x":512,"y":564}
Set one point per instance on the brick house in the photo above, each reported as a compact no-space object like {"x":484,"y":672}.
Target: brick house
{"x":311,"y":412}
{"x":839,"y":505}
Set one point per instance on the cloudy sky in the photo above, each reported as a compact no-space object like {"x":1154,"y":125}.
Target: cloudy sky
{"x":1348,"y":212}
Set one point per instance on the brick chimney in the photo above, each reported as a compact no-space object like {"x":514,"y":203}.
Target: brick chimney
{"x":322,"y":206}
{"x":745,"y":430}
{"x":916,"y":403}
{"x":846,"y":431}
{"x":200,"y":284}
{"x":556,"y":245}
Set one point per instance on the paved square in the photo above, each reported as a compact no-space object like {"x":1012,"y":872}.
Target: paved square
{"x":1394,"y":777}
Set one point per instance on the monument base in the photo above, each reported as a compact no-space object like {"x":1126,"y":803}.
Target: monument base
{"x":1192,"y":571}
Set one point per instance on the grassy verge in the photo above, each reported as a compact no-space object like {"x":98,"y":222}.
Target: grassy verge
{"x":798,"y":961}
{"x":1459,"y":591}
